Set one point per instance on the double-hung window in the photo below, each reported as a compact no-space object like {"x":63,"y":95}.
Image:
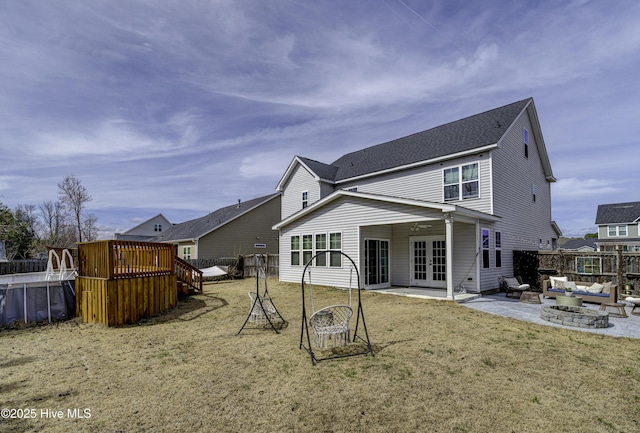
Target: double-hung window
{"x":485,"y":248}
{"x":305,"y":199}
{"x":186,"y":253}
{"x":461,"y":183}
{"x":617,"y":231}
{"x":295,"y":250}
{"x":321,"y":245}
{"x":307,"y":248}
{"x":335,"y":243}
{"x":498,"y":249}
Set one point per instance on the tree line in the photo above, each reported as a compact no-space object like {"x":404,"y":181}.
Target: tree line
{"x":29,"y":229}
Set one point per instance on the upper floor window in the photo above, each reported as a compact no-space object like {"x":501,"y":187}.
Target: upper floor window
{"x":461,"y":183}
{"x":305,"y":199}
{"x":157,"y":227}
{"x":526,"y":143}
{"x":186,"y":253}
{"x":617,"y":231}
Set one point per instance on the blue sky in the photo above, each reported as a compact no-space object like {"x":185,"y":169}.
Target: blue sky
{"x":182,"y":107}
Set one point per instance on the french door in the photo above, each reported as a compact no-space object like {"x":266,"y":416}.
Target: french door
{"x":428,"y":261}
{"x":376,"y":263}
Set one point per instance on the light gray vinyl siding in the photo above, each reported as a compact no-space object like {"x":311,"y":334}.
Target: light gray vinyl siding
{"x":349,"y":217}
{"x":148,"y":227}
{"x":358,"y":219}
{"x":427,"y":183}
{"x":524,"y":222}
{"x":632,"y":231}
{"x":238,"y":236}
{"x":300,"y":180}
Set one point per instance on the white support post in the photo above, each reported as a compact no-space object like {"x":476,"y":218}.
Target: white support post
{"x":449,"y":254}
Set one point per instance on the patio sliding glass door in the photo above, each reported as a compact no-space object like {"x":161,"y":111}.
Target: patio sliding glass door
{"x":376,"y":263}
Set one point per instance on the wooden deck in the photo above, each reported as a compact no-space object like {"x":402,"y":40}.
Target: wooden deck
{"x":122,"y":282}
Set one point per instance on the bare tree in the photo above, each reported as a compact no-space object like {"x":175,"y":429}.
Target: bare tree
{"x":55,"y":229}
{"x":90,"y":228}
{"x":74,"y":196}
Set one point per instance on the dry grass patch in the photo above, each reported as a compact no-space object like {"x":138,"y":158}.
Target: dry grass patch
{"x":438,"y":367}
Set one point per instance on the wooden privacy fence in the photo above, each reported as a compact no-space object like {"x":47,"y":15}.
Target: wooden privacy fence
{"x":120,"y":282}
{"x":589,"y":267}
{"x":22,"y":266}
{"x":272,"y":265}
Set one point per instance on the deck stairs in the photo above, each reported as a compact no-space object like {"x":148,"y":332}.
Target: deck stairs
{"x":188,"y":276}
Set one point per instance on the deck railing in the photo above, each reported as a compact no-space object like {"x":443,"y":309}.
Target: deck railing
{"x":114,"y":259}
{"x":188,"y":274}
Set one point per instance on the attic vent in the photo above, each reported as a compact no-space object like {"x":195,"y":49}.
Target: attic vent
{"x":498,"y":124}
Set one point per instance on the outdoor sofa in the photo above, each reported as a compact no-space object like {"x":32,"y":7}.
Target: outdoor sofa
{"x":595,"y":293}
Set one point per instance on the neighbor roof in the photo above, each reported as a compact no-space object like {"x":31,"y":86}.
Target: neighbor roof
{"x":196,"y":228}
{"x":618,"y":213}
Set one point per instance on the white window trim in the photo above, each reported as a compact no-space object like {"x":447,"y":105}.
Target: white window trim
{"x":483,"y":249}
{"x":299,"y":250}
{"x":388,"y":283}
{"x":305,"y":199}
{"x":460,"y":182}
{"x":599,"y":261}
{"x":314,"y":250}
{"x":498,"y":247}
{"x":331,"y":249}
{"x":617,"y":230}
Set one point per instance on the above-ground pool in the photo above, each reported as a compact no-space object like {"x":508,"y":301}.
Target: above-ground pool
{"x":38,"y":296}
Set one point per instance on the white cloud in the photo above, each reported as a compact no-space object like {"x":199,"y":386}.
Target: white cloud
{"x":576,"y":189}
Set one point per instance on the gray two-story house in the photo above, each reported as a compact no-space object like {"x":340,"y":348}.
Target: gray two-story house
{"x":618,"y":226}
{"x":443,"y":208}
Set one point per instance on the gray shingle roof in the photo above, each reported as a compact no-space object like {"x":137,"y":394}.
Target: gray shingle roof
{"x":324,"y":171}
{"x":462,"y":135}
{"x":618,"y":213}
{"x":196,"y":228}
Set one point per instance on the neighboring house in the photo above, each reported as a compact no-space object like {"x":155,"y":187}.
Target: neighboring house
{"x":242,"y":228}
{"x":582,"y":245}
{"x":146,"y":230}
{"x":618,"y":225}
{"x":442,"y":208}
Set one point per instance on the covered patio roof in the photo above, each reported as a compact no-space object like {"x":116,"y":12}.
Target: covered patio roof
{"x":466,"y":214}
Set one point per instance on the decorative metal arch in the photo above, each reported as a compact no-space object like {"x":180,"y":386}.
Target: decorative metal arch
{"x":359,"y":317}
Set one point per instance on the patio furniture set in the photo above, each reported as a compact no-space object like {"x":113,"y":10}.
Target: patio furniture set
{"x":570,"y":300}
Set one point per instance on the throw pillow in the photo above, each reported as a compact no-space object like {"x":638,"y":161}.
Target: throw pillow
{"x":556,"y":280}
{"x":606,"y":287}
{"x":595,"y":288}
{"x":570,"y":285}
